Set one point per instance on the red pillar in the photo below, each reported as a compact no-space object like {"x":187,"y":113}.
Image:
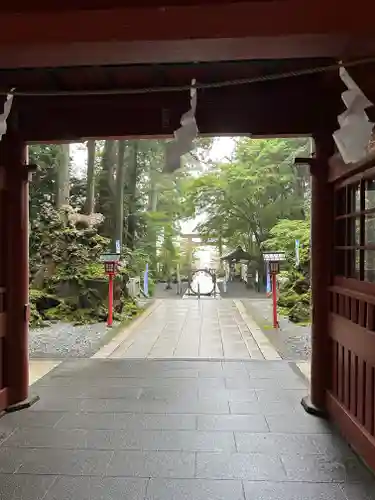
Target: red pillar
{"x":13,"y":158}
{"x":110,"y":300}
{"x":321,"y":273}
{"x":274,"y":301}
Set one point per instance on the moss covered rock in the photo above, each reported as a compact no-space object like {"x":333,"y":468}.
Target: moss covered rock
{"x":301,"y":286}
{"x":300,"y":313}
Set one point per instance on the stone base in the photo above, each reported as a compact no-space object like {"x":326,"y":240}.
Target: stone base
{"x":310,"y":408}
{"x":22,"y":405}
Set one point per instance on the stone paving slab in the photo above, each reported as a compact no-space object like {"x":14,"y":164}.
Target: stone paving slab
{"x":146,"y":429}
{"x":189,"y":329}
{"x":40,"y":367}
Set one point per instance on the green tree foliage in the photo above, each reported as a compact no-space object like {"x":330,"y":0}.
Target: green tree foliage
{"x":124,"y":182}
{"x":242,"y":200}
{"x":165,"y":203}
{"x":295,"y":294}
{"x":283,"y":237}
{"x":259,"y":199}
{"x":43,"y":186}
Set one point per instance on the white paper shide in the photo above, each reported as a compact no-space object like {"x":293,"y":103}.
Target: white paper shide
{"x":353,"y":136}
{"x":184,"y":136}
{"x":4,"y":115}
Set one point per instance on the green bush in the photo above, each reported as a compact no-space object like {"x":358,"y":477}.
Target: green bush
{"x":300,"y":313}
{"x":288,"y":299}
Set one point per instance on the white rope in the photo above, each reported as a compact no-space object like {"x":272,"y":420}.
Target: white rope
{"x":184,"y":88}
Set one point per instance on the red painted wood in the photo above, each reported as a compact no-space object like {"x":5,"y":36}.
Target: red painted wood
{"x":337,"y":295}
{"x":362,"y":313}
{"x":340,"y":377}
{"x":12,"y":156}
{"x":347,"y":378}
{"x":146,"y":75}
{"x":342,"y":305}
{"x":353,"y":384}
{"x":3,"y":301}
{"x":230,"y":20}
{"x":321,"y":236}
{"x":361,"y":403}
{"x":335,"y":368}
{"x":354,"y":310}
{"x":349,"y":173}
{"x":363,"y":287}
{"x":354,"y":432}
{"x":354,"y":337}
{"x":3,"y":398}
{"x":110,"y":300}
{"x":360,"y":296}
{"x":41,"y":5}
{"x":2,"y":323}
{"x":369,"y":399}
{"x":347,"y":307}
{"x":156,"y":52}
{"x":370,"y":317}
{"x":260,"y":110}
{"x":351,"y":325}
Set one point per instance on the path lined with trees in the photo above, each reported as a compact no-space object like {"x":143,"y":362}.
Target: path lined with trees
{"x":258,"y":198}
{"x":123,"y":195}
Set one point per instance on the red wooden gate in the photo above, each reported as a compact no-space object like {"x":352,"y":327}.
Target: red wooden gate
{"x":3,"y":391}
{"x":351,"y":397}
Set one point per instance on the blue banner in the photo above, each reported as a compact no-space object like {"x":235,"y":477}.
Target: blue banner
{"x":268,"y":289}
{"x":297,"y":253}
{"x":145,"y":281}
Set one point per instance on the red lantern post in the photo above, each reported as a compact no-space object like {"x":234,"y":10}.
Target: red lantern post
{"x":273,"y":261}
{"x":110,"y":267}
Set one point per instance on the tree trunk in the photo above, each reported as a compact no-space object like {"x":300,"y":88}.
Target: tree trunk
{"x":119,"y":204}
{"x":90,"y":186}
{"x":152,"y":232}
{"x":62,"y":197}
{"x":132,"y":187}
{"x":153,"y":194}
{"x":107,"y":188}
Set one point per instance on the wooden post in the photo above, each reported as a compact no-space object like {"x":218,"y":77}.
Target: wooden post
{"x":16,"y":369}
{"x":110,"y":300}
{"x":274,"y":302}
{"x":321,"y":272}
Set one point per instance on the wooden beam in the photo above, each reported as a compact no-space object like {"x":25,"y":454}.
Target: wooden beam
{"x":339,"y":170}
{"x":47,"y":5}
{"x":182,"y":51}
{"x":274,"y":108}
{"x":226,"y":20}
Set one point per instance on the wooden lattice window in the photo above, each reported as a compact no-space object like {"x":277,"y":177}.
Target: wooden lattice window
{"x":354,"y":238}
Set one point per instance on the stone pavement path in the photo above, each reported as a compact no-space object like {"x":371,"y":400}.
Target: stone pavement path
{"x":174,"y":430}
{"x":206,"y":329}
{"x":160,"y":291}
{"x":238,"y":290}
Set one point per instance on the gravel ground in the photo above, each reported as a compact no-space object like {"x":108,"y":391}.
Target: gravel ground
{"x":63,"y":340}
{"x":293,"y":342}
